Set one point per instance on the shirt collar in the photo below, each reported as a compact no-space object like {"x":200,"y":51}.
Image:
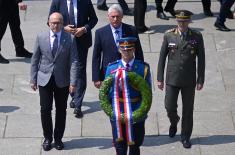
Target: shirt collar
{"x":130,"y":62}
{"x":52,"y":34}
{"x":114,"y":29}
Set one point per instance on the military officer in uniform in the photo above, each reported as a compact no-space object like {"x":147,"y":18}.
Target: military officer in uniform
{"x":128,"y":62}
{"x":182,"y":45}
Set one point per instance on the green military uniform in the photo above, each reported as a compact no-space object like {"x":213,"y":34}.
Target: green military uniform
{"x":181,"y":73}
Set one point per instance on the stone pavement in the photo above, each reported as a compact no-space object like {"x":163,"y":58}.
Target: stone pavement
{"x":214,"y":117}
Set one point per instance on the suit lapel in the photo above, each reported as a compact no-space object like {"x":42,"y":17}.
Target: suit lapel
{"x":48,"y":47}
{"x":110,"y":37}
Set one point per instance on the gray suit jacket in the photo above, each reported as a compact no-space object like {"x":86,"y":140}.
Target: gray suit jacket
{"x":63,"y":66}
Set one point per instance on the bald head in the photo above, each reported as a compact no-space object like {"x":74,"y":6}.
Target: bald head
{"x":55,"y":22}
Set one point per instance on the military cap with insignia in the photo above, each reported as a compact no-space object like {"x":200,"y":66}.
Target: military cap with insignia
{"x":127,"y":43}
{"x":183,"y":15}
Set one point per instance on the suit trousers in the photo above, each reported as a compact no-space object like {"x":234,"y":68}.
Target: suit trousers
{"x":171,"y":105}
{"x":46,"y":101}
{"x":140,"y":7}
{"x":206,"y":4}
{"x":138,"y":132}
{"x":82,"y":76}
{"x":122,"y":3}
{"x":170,"y":5}
{"x":224,"y":10}
{"x":11,"y":16}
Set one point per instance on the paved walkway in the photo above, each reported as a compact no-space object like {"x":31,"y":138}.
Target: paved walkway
{"x":214,"y":117}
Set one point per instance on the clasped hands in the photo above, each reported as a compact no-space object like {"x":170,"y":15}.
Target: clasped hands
{"x":78,"y":32}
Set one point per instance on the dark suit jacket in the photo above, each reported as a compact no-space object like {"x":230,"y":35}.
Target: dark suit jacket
{"x":86,"y":17}
{"x":182,"y":54}
{"x":105,"y":50}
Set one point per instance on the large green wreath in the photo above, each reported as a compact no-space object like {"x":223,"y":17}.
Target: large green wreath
{"x":137,"y":82}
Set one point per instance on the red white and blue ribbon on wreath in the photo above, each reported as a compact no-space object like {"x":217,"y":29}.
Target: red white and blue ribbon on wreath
{"x":120,"y":79}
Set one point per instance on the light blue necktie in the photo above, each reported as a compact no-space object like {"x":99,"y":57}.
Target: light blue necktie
{"x":117,"y":37}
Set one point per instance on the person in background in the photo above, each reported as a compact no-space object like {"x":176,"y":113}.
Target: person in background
{"x":101,"y":5}
{"x":223,"y":14}
{"x":9,"y":13}
{"x":170,"y":5}
{"x":182,"y":45}
{"x":79,"y":19}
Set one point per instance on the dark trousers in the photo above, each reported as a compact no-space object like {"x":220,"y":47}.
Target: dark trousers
{"x":82,"y":76}
{"x":122,"y":3}
{"x":171,"y":105}
{"x":206,"y":4}
{"x":11,"y":16}
{"x":170,"y":5}
{"x":46,"y":99}
{"x":224,"y":10}
{"x":138,"y":132}
{"x":139,"y":14}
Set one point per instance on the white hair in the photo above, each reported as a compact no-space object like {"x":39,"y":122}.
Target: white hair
{"x":115,"y":7}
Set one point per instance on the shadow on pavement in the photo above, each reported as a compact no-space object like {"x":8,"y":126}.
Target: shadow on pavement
{"x":93,"y":107}
{"x":7,"y":109}
{"x":216,"y":139}
{"x":101,"y":143}
{"x":26,"y":60}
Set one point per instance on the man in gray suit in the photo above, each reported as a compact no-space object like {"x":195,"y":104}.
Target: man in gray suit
{"x":54,"y":71}
{"x":182,"y":45}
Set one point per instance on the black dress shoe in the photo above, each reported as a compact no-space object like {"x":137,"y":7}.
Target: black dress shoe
{"x":208,"y":13}
{"x":172,"y":12}
{"x":146,"y":30}
{"x":102,"y":7}
{"x":162,"y":15}
{"x":46,"y":145}
{"x":72,"y":104}
{"x":128,"y":12}
{"x":221,"y":27}
{"x":59,"y":145}
{"x":22,"y":52}
{"x":3,"y":60}
{"x":172,"y":131}
{"x":186,"y":144}
{"x":78,"y":113}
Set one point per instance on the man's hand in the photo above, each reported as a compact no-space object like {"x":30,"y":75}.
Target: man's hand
{"x":97,"y":84}
{"x":160,"y":85}
{"x":72,"y":89}
{"x":199,"y":86}
{"x":70,"y":29}
{"x":22,"y":6}
{"x":34,"y":86}
{"x":80,"y":31}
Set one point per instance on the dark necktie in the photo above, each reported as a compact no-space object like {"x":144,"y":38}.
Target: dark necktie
{"x":71,"y":13}
{"x":128,"y":67}
{"x":55,"y":45}
{"x":117,"y":37}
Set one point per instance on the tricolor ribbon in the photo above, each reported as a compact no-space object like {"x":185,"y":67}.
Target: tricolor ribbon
{"x":120,"y":79}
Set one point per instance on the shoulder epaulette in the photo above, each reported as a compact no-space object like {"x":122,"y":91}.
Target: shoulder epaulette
{"x":112,"y":63}
{"x":170,"y":30}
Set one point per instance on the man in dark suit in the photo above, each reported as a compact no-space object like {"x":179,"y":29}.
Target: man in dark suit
{"x":9,"y":13}
{"x":54,"y":70}
{"x":101,"y":5}
{"x":106,"y":47}
{"x":79,"y":18}
{"x":223,"y":14}
{"x":182,"y":46}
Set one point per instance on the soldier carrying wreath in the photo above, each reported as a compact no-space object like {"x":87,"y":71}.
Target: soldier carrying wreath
{"x":126,"y":97}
